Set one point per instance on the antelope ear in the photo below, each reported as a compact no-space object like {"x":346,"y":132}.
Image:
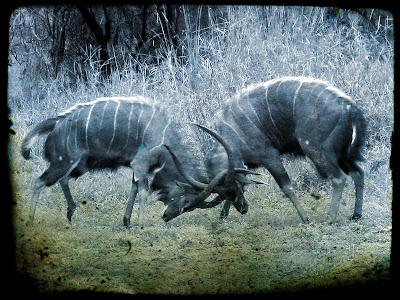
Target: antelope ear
{"x":240,"y":178}
{"x":244,"y":180}
{"x":185,"y":186}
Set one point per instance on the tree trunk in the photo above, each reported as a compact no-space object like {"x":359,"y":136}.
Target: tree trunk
{"x":60,"y":21}
{"x":102,"y":38}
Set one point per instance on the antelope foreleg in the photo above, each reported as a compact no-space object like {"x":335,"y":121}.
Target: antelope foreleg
{"x":143,"y":195}
{"x":275,"y":167}
{"x":225,"y":209}
{"x":288,"y":191}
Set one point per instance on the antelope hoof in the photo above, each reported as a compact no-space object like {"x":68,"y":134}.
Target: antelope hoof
{"x":70,"y":212}
{"x":244,"y":210}
{"x":241,"y":207}
{"x":222,"y":216}
{"x":127,"y":223}
{"x":355,"y":217}
{"x":330,"y":220}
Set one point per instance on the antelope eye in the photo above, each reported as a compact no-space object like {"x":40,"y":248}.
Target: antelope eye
{"x":186,"y":200}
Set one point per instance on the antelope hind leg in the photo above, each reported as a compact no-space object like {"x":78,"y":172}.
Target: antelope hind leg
{"x":38,"y":186}
{"x":358,"y":178}
{"x":48,"y":178}
{"x":70,"y":201}
{"x":337,"y":190}
{"x":57,"y":172}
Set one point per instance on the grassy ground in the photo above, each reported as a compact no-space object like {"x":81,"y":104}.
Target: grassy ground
{"x":266,"y":250}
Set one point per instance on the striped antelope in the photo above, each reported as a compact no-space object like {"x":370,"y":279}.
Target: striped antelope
{"x":115,"y":132}
{"x":301,"y":116}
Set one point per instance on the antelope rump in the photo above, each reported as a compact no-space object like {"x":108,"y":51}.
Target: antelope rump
{"x":131,"y":132}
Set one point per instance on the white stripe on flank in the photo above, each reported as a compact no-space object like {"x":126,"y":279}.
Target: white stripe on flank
{"x":255,"y":112}
{"x":87,"y":125}
{"x":353,"y":136}
{"x":244,"y":114}
{"x":70,"y":169}
{"x":312,"y":114}
{"x":162,"y":140}
{"x":148,"y":124}
{"x":163,"y":134}
{"x":76,"y":133}
{"x":279,"y":84}
{"x":102,"y":117}
{"x":129,"y":127}
{"x":115,"y":124}
{"x":270,"y":115}
{"x":244,"y":142}
{"x":69,"y":119}
{"x":295,"y":96}
{"x":138,"y":125}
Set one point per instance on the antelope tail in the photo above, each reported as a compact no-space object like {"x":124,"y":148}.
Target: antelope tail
{"x":358,"y":135}
{"x":42,"y":128}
